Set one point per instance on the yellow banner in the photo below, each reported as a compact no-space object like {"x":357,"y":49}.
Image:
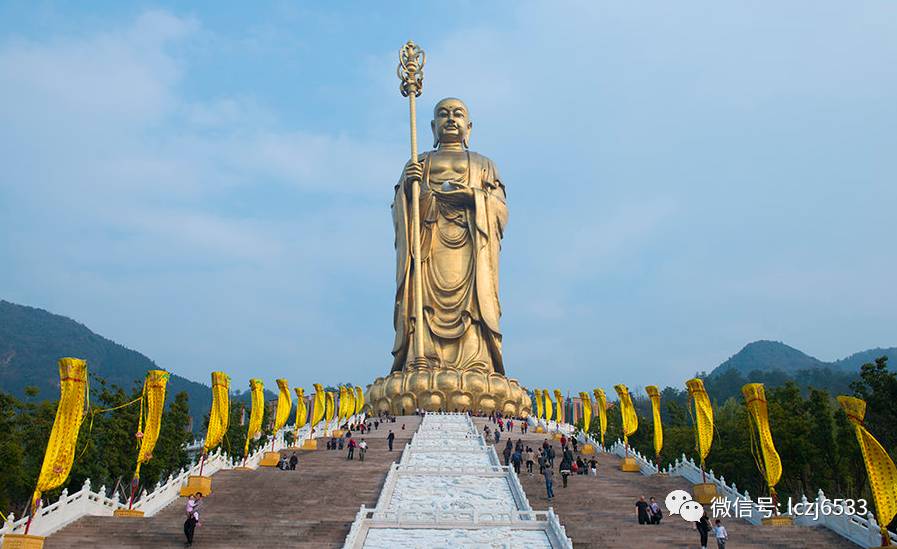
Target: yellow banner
{"x":341,"y":405}
{"x":359,"y":400}
{"x":755,"y":400}
{"x":559,"y":406}
{"x":301,"y":409}
{"x":586,"y":410}
{"x":540,"y":407}
{"x":879,"y":465}
{"x":319,"y":406}
{"x":329,"y":406}
{"x":703,"y":416}
{"x":654,"y":393}
{"x":284,"y":405}
{"x":549,"y":409}
{"x":60,"y":452}
{"x":627,"y":411}
{"x":350,"y":402}
{"x":219,"y":416}
{"x":151,"y":414}
{"x":257,"y":392}
{"x":601,"y":406}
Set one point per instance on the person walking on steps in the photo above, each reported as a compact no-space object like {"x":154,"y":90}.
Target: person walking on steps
{"x":722,"y":536}
{"x":193,"y":505}
{"x":509,"y":449}
{"x":548,"y":474}
{"x":362,"y":449}
{"x":351,"y":444}
{"x":390,"y":438}
{"x":642,"y":508}
{"x":566,"y":465}
{"x":703,"y":527}
{"x":530,"y":460}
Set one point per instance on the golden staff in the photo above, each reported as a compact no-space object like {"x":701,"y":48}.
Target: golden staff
{"x":411,"y":73}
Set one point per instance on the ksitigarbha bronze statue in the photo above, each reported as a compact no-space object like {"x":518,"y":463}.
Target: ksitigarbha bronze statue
{"x":449,"y":215}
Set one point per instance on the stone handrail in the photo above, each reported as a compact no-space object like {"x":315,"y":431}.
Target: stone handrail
{"x":85,"y":502}
{"x":863,"y":531}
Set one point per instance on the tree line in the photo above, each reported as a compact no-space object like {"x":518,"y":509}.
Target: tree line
{"x":812,"y":434}
{"x":107,"y":445}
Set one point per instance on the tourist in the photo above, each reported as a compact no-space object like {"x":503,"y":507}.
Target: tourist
{"x":351,"y":444}
{"x":294,"y":460}
{"x":566,"y":466}
{"x":575,"y":444}
{"x":516,"y":459}
{"x":543,"y":461}
{"x":509,"y":449}
{"x":593,"y":467}
{"x":545,"y":444}
{"x":580,"y":466}
{"x":497,"y":437}
{"x":501,"y":425}
{"x":563,"y":440}
{"x":656,"y":512}
{"x":389,"y":439}
{"x":722,"y":535}
{"x":519,"y":445}
{"x":193,"y":505}
{"x":376,"y":424}
{"x":546,"y":472}
{"x":530,"y":460}
{"x":362,"y":449}
{"x":551,"y":456}
{"x":510,"y":425}
{"x":341,"y":441}
{"x":703,"y":527}
{"x":642,"y":507}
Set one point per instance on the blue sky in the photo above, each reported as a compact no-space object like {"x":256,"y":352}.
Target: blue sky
{"x":210,"y":185}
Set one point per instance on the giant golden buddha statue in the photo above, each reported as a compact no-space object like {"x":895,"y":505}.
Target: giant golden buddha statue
{"x":463,"y":214}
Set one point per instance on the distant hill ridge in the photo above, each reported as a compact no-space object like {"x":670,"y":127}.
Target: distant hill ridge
{"x":767,"y":356}
{"x":32,"y":340}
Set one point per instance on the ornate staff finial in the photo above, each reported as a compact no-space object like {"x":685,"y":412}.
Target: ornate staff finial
{"x":411,"y":69}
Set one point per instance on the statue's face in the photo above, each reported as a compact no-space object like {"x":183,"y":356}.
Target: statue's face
{"x":450,"y":122}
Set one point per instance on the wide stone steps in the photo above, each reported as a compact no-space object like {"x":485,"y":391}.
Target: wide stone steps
{"x":599,"y":512}
{"x":312,"y":506}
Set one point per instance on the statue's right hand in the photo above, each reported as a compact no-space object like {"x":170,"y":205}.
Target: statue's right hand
{"x":414,"y":171}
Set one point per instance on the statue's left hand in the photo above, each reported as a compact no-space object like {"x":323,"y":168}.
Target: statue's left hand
{"x":462,"y":196}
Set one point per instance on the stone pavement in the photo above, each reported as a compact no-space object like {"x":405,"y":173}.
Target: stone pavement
{"x":311,"y":507}
{"x":599,"y":512}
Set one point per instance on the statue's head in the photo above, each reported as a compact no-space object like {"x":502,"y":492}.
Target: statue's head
{"x":451,"y":122}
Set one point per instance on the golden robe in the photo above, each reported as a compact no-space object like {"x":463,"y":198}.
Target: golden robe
{"x":460,"y":248}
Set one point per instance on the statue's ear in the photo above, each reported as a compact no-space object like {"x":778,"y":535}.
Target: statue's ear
{"x":433,"y":129}
{"x":466,"y":141}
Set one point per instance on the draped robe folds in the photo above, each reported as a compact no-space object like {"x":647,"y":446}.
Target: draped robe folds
{"x":460,"y":247}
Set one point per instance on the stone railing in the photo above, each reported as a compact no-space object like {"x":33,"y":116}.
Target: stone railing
{"x":863,"y":531}
{"x":71,"y":507}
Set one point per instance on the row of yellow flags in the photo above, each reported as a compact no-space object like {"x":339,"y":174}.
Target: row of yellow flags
{"x":879,"y":465}
{"x":60,"y":454}
{"x":347,"y":403}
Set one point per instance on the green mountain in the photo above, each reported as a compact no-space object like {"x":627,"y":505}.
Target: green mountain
{"x":32,"y":340}
{"x":769,"y":356}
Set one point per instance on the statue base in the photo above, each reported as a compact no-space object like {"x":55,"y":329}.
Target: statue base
{"x":309,"y":444}
{"x":539,"y":429}
{"x":21,"y":541}
{"x":129,"y":513}
{"x":270,"y":459}
{"x":196,"y":483}
{"x":778,"y":520}
{"x":629,"y":465}
{"x":587,"y":450}
{"x":437,"y":388}
{"x":705,"y":492}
